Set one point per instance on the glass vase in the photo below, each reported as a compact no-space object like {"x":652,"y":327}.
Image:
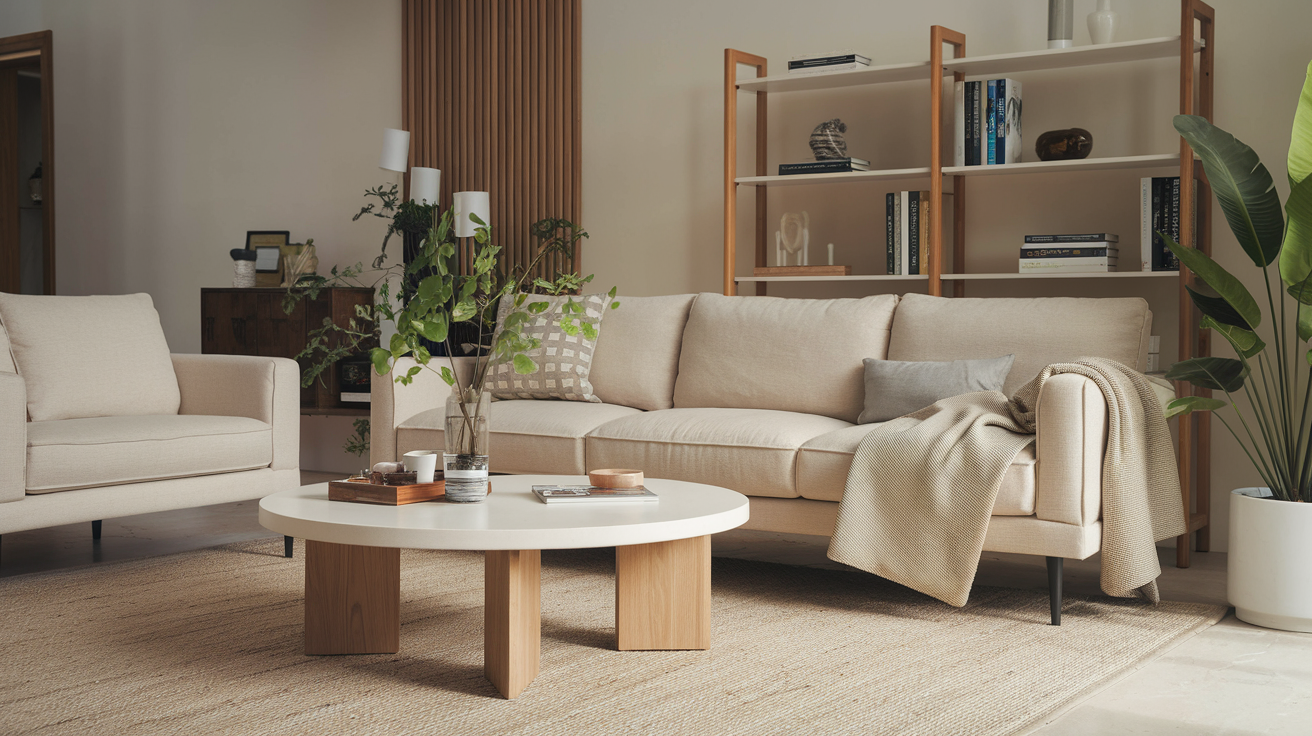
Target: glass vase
{"x":465,"y":458}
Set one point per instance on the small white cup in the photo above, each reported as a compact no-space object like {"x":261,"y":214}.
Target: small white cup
{"x":423,"y":463}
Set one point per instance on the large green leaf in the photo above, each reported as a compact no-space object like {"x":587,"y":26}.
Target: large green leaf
{"x":1214,"y":306}
{"x":1242,"y":186}
{"x":1300,"y":141}
{"x":1226,"y":285}
{"x":1305,"y":324}
{"x":1188,"y":404}
{"x":1245,"y":342}
{"x":1296,"y":252}
{"x":1218,"y":374}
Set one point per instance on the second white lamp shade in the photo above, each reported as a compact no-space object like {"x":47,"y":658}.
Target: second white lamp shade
{"x":467,"y":203}
{"x":396,"y":150}
{"x":425,"y":184}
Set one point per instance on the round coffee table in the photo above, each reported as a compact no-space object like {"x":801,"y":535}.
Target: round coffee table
{"x":662,"y":564}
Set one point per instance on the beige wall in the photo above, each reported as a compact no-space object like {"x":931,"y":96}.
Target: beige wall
{"x":653,"y":136}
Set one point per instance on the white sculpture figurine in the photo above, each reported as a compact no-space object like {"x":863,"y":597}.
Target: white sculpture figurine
{"x":793,"y":237}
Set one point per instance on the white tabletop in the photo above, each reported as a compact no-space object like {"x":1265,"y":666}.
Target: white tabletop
{"x":511,"y":517}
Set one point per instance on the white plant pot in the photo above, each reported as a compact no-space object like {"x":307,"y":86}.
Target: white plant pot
{"x":1270,"y":576}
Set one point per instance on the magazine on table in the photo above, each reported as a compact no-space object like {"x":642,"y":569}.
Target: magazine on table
{"x":593,"y":494}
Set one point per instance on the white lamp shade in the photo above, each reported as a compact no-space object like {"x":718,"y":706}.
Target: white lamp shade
{"x":396,"y":150}
{"x":425,"y":184}
{"x":471,"y":203}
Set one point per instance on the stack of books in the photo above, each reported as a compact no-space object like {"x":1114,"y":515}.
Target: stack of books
{"x":835,"y":62}
{"x":1159,"y":212}
{"x":987,"y":123}
{"x":1074,"y":253}
{"x":906,"y":232}
{"x":827,"y":166}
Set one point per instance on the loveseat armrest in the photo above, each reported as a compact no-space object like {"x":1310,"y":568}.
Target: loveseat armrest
{"x":1071,"y":439}
{"x":267,"y":389}
{"x":391,"y":403}
{"x":13,"y":437}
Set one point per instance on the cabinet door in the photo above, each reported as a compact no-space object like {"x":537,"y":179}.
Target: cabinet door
{"x":227,"y":323}
{"x":281,"y":335}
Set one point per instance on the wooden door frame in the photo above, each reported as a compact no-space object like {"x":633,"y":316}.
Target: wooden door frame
{"x":39,"y":45}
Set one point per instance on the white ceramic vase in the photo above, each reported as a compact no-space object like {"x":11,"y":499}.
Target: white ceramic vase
{"x":1102,"y":23}
{"x":1270,"y":579}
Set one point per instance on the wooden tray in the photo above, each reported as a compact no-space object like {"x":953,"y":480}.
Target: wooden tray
{"x":341,"y":490}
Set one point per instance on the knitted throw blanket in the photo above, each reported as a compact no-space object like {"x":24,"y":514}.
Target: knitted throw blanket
{"x":922,"y":487}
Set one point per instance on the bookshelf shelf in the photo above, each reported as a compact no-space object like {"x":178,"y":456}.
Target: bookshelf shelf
{"x":1152,"y":161}
{"x":838,"y":178}
{"x":1194,"y":54}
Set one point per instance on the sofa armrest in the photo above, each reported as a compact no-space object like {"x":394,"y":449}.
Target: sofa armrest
{"x":390,"y":403}
{"x":1071,"y":439}
{"x":267,"y":389}
{"x":13,"y":437}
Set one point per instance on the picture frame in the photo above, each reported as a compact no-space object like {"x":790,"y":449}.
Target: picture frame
{"x":268,"y":246}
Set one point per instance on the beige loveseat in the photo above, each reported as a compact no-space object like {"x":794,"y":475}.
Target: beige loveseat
{"x":762,"y":394}
{"x":98,"y":420}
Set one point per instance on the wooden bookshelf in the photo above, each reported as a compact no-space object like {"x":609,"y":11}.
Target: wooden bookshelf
{"x":1194,"y":50}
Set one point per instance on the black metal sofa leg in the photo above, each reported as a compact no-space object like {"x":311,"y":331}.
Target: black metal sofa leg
{"x":95,"y":530}
{"x":1055,"y":565}
{"x":287,"y":547}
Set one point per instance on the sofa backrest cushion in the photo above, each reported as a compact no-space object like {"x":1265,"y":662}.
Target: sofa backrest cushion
{"x":1037,"y":331}
{"x":6,"y":357}
{"x":90,"y":356}
{"x":637,"y":354}
{"x":802,"y":355}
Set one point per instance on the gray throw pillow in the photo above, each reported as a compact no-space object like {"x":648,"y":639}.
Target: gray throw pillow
{"x":896,"y":388}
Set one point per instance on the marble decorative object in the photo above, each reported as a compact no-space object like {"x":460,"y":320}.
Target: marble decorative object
{"x":1064,"y":145}
{"x":827,"y":140}
{"x":1102,"y":23}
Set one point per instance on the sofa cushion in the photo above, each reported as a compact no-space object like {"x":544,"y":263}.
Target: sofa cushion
{"x":1037,"y":331}
{"x":752,"y":451}
{"x":524,"y":435}
{"x":99,"y":451}
{"x":637,"y":355}
{"x":563,"y":356}
{"x":794,"y":355}
{"x":823,"y":462}
{"x":90,"y":356}
{"x":6,"y":357}
{"x":896,"y":388}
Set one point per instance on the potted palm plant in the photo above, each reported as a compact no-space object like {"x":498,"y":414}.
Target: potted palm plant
{"x":1270,"y":582}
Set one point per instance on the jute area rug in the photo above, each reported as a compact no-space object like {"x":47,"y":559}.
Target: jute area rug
{"x":210,"y":642}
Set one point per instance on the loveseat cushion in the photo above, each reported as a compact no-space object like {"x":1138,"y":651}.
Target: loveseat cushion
{"x":752,"y":451}
{"x":1037,"y":331}
{"x":524,"y":435}
{"x":6,"y":357}
{"x":637,"y":355}
{"x":90,"y":356}
{"x":823,"y":462}
{"x":793,"y":355}
{"x":98,"y":451}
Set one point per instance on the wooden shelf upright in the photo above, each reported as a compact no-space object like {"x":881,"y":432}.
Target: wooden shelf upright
{"x":1196,"y":97}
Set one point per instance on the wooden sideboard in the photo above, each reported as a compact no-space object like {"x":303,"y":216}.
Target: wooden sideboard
{"x":252,"y":322}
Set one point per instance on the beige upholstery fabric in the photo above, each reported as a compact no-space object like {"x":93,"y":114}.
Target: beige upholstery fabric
{"x":564,"y":361}
{"x":68,"y":507}
{"x":100,"y":451}
{"x":6,"y":357}
{"x":752,"y":451}
{"x":797,"y":355}
{"x":1038,"y":331}
{"x":120,"y":366}
{"x":13,"y":437}
{"x":1071,"y":419}
{"x":1015,"y":534}
{"x":525,"y":436}
{"x":637,"y":355}
{"x":823,"y":462}
{"x":267,"y":389}
{"x":391,"y":403}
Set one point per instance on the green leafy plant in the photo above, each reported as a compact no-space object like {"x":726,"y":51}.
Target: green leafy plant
{"x":358,"y":443}
{"x":1276,"y":434}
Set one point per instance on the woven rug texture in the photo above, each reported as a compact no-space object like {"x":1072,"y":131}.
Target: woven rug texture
{"x":210,"y":642}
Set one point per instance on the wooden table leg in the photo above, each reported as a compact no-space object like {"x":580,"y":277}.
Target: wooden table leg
{"x":663,"y":595}
{"x":512,"y":618}
{"x":352,"y":599}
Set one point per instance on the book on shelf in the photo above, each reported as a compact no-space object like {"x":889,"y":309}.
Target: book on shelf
{"x":1091,"y":264}
{"x":987,"y":125}
{"x":593,"y":494}
{"x":827,"y":63}
{"x":828,"y":166}
{"x":890,"y":230}
{"x":1033,"y":252}
{"x":1074,"y":238}
{"x":1159,"y":212}
{"x":906,"y":232}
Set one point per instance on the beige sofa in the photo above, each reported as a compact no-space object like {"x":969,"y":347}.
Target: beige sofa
{"x":98,"y":420}
{"x":761,"y":395}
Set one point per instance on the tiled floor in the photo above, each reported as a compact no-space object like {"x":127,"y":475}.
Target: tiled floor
{"x":1230,"y":679}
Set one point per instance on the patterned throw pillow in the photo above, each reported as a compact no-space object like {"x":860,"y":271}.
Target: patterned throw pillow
{"x":563,"y":360}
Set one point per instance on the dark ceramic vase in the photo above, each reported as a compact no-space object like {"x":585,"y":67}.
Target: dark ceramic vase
{"x":1064,"y":145}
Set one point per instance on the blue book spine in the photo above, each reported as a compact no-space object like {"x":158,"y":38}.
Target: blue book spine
{"x":992,"y":115}
{"x":1001,"y":115}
